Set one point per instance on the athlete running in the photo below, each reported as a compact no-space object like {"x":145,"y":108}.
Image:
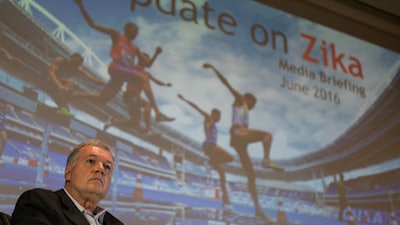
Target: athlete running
{"x":59,"y":83}
{"x":122,"y":67}
{"x":136,"y":105}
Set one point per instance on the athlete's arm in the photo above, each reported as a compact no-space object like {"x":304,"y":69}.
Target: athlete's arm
{"x":202,"y":112}
{"x":234,"y":92}
{"x":155,"y":55}
{"x":52,"y":72}
{"x":159,"y":82}
{"x":110,"y":31}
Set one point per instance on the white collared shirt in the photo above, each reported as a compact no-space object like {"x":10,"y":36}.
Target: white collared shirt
{"x":93,"y":219}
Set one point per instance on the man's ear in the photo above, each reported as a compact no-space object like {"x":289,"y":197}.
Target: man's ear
{"x":67,"y":172}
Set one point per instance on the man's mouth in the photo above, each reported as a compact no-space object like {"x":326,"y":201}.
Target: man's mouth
{"x":97,"y":179}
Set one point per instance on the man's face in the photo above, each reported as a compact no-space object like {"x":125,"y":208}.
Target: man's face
{"x":90,"y":173}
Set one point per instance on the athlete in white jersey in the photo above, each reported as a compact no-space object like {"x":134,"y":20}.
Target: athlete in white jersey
{"x":242,"y":135}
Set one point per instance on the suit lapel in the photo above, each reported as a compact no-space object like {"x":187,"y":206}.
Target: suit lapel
{"x":71,"y":211}
{"x":111,"y":220}
{"x":76,"y":217}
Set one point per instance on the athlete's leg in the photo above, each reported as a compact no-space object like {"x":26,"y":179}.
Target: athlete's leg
{"x":109,"y":91}
{"x":145,"y":105}
{"x":239,"y":141}
{"x":118,"y":75}
{"x":251,"y":179}
{"x":133,"y":108}
{"x":134,"y":112}
{"x":222,"y":180}
{"x":64,"y":96}
{"x":253,"y":135}
{"x":219,"y":155}
{"x":134,"y":89}
{"x":150,"y":96}
{"x":59,"y":96}
{"x":132,"y":101}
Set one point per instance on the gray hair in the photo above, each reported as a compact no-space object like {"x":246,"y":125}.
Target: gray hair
{"x":92,"y":142}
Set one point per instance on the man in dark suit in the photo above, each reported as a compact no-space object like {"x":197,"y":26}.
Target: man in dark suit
{"x":88,"y":176}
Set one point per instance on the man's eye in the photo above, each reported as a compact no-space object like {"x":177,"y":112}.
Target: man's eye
{"x":107,"y":167}
{"x":90,"y":161}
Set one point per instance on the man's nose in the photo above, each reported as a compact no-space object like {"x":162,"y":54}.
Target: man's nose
{"x":100,"y":168}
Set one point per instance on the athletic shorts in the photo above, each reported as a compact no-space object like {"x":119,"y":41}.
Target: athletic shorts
{"x":121,"y":72}
{"x":235,"y":140}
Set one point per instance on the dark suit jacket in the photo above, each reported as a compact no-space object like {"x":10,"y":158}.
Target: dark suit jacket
{"x":5,"y":219}
{"x":45,"y":207}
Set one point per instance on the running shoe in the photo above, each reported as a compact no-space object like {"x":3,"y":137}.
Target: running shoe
{"x":64,"y":111}
{"x":163,"y":118}
{"x":268,"y":164}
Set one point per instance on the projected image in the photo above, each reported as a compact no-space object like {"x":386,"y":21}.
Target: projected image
{"x":217,"y":112}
